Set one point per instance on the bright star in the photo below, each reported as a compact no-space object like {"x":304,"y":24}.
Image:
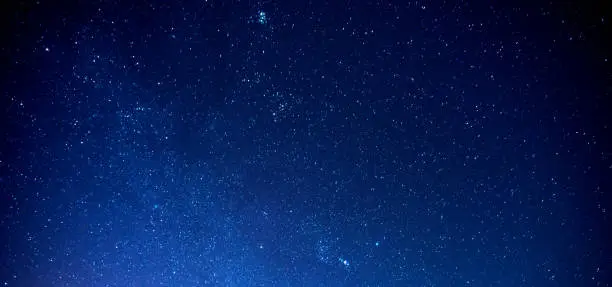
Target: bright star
{"x":343,"y":261}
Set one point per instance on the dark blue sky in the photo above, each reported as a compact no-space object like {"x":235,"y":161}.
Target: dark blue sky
{"x":291,"y":143}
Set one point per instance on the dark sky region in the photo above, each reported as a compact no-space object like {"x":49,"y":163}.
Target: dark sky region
{"x":305,"y":143}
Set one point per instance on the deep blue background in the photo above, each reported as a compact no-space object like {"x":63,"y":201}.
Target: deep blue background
{"x":339,"y":143}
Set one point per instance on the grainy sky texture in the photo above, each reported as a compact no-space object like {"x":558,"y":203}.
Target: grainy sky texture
{"x":305,"y":143}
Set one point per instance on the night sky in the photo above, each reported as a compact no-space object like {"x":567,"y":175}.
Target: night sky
{"x":305,"y":143}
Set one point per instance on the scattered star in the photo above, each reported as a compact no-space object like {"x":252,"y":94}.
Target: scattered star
{"x":273,"y":143}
